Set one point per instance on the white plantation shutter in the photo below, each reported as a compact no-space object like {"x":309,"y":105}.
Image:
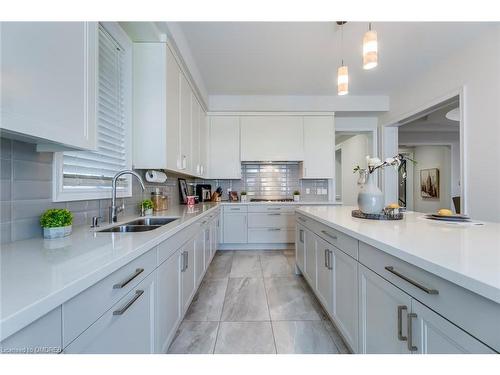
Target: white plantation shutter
{"x":92,"y":171}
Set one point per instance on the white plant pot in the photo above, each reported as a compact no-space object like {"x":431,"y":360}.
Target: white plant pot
{"x":370,"y":197}
{"x":57,"y":232}
{"x":243,"y":198}
{"x":296,"y":198}
{"x":149,"y":211}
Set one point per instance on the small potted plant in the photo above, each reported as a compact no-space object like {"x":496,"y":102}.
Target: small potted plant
{"x":296,"y":196}
{"x":243,"y":196}
{"x":56,"y":223}
{"x":146,"y":206}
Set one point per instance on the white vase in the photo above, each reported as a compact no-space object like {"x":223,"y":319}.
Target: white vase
{"x":243,"y":198}
{"x":296,"y":198}
{"x":370,"y":197}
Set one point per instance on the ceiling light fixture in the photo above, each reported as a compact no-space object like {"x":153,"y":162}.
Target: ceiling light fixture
{"x":342,"y":72}
{"x":370,"y":49}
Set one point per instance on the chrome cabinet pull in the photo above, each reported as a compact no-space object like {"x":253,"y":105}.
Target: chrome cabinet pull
{"x":301,"y":235}
{"x":400,"y":322}
{"x":326,"y":258}
{"x":276,"y":214}
{"x":184,"y":261}
{"x":137,"y":272}
{"x":274,"y":229}
{"x":138,"y":293}
{"x":302,"y":219}
{"x":329,"y":235}
{"x":235,"y":209}
{"x":330,"y":256}
{"x":412,"y":282}
{"x":273,"y":208}
{"x":411,"y":347}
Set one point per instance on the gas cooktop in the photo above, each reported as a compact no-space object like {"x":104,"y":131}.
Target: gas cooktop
{"x":271,"y":200}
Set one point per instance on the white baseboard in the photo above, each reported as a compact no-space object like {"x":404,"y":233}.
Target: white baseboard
{"x":256,"y":246}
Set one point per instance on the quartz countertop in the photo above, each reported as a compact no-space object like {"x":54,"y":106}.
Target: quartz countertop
{"x":300,"y":203}
{"x":38,"y":275}
{"x":465,"y":254}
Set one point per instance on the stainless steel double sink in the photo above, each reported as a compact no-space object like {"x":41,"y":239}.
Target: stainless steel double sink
{"x":141,"y":225}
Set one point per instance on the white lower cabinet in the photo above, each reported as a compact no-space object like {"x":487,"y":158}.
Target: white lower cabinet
{"x":300,"y":242}
{"x":43,"y":336}
{"x":324,"y":269}
{"x":128,"y":327}
{"x":168,"y":297}
{"x":188,"y":285}
{"x":199,"y":257}
{"x":345,"y":296}
{"x":310,"y":251}
{"x":235,"y":227}
{"x":432,"y":334}
{"x":383,"y":310}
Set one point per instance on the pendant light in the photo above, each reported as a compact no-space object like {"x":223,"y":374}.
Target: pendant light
{"x":342,"y":72}
{"x":370,"y":49}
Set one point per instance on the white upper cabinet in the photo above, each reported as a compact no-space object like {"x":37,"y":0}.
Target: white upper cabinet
{"x":167,"y":113}
{"x":49,"y":81}
{"x":272,"y":138}
{"x":319,"y":147}
{"x":203,"y":143}
{"x":195,"y":129}
{"x":225,"y":147}
{"x":185,"y":125}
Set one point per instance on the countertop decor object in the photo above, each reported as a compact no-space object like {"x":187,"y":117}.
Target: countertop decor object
{"x":243,"y":196}
{"x":56,"y":223}
{"x":147,"y":206}
{"x":370,"y":197}
{"x":381,"y":216}
{"x":296,"y":196}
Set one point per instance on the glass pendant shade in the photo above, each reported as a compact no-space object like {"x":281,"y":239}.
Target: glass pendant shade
{"x":370,"y":50}
{"x":342,"y":80}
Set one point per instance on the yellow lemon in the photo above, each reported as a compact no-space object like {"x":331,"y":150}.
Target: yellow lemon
{"x":393,"y":205}
{"x":445,"y":212}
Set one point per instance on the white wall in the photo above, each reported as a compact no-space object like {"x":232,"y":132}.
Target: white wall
{"x":354,"y":151}
{"x":432,"y":157}
{"x":476,"y":68}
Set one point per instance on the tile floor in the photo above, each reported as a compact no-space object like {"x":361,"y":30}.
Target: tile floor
{"x":252,"y":302}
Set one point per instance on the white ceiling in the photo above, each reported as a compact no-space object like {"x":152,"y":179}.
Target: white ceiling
{"x":301,"y":58}
{"x":433,"y":122}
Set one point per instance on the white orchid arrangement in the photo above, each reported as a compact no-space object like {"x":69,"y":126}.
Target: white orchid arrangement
{"x":375,"y":163}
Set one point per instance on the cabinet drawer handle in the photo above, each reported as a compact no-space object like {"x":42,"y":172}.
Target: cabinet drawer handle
{"x":274,"y":214}
{"x":412,"y":282}
{"x":235,"y":209}
{"x":329,"y":235}
{"x":411,"y":347}
{"x":301,"y":235}
{"x":330,"y":256}
{"x":302,"y":219}
{"x":138,"y":293}
{"x":326,"y":259}
{"x":274,"y":229}
{"x":400,"y":322}
{"x":137,"y":272}
{"x":274,"y":208}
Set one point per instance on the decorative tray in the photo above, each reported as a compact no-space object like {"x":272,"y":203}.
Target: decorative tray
{"x":380,"y":216}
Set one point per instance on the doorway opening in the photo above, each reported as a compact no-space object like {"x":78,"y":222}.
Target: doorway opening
{"x":432,"y":138}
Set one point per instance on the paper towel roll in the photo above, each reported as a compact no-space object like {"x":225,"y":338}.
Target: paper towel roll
{"x":155,"y":176}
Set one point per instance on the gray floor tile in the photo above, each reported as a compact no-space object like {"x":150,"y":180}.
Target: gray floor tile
{"x":336,"y":337}
{"x":289,"y":300}
{"x":303,"y":337}
{"x":224,"y":252}
{"x":208,"y":302}
{"x":258,"y":252}
{"x":245,"y":338}
{"x":245,"y":301}
{"x":275,"y":266}
{"x":195,"y":338}
{"x":219,"y":268}
{"x":246,"y":266}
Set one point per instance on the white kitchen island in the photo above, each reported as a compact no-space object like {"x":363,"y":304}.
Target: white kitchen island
{"x":413,"y":285}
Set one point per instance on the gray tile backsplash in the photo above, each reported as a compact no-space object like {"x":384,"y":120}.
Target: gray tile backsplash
{"x":26,"y":191}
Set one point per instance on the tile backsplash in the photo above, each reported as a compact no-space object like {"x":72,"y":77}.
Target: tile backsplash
{"x":26,"y":190}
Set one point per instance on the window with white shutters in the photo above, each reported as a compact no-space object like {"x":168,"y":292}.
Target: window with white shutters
{"x":88,"y":174}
